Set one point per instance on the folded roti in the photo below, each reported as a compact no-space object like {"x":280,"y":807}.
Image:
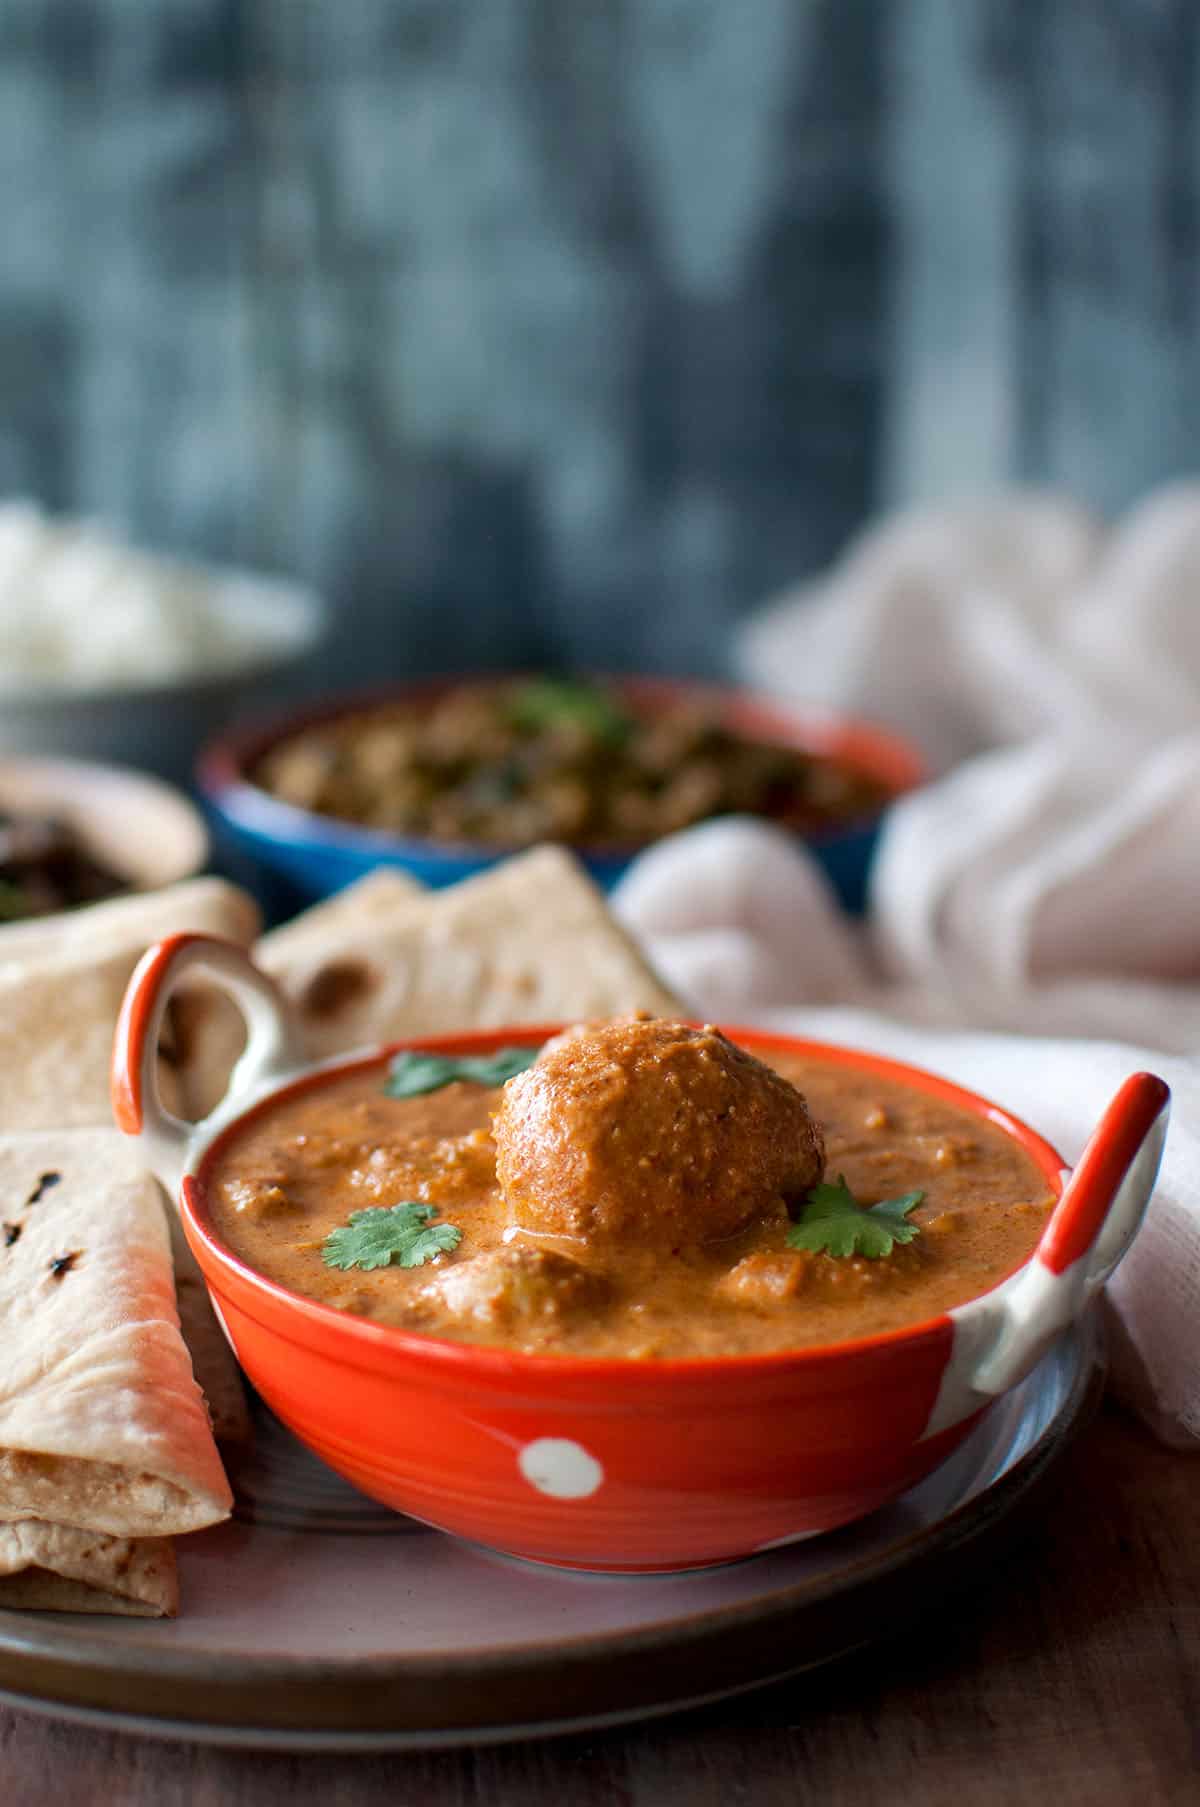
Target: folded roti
{"x":59,"y":1568}
{"x":528,"y":941}
{"x":366,"y":904}
{"x":61,"y":986}
{"x":62,"y":980}
{"x":136,"y":920}
{"x":102,"y":1425}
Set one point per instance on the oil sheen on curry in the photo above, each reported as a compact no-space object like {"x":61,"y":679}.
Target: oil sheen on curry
{"x":643,"y":1190}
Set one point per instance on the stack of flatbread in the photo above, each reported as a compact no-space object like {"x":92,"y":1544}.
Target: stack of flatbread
{"x":106,"y":1452}
{"x":106,"y":1447}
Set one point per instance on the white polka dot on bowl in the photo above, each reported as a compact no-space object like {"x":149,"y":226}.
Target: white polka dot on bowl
{"x":560,"y":1468}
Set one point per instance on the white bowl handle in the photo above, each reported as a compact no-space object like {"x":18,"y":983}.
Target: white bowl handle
{"x":998,"y":1338}
{"x":271,"y":1055}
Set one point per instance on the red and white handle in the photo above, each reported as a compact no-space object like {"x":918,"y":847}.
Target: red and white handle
{"x":272,"y":1053}
{"x":999,"y":1337}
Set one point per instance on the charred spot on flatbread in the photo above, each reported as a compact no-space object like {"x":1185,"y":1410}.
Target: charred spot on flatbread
{"x":11,"y":1233}
{"x":335,"y":987}
{"x":45,"y":1182}
{"x":62,"y":1264}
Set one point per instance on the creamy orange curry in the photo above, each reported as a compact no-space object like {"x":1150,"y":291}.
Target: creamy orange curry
{"x":635,"y":1193}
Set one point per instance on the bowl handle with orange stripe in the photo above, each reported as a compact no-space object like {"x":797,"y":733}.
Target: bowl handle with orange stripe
{"x":272,"y":1053}
{"x":1000,"y":1336}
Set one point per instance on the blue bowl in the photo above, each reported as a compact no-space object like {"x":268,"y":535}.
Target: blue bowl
{"x":294,"y":856}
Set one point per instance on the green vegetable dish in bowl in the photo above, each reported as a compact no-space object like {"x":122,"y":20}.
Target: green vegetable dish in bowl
{"x":553,"y":759}
{"x":445,"y":778}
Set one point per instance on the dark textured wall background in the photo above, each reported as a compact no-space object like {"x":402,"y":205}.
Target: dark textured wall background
{"x":570,"y":328}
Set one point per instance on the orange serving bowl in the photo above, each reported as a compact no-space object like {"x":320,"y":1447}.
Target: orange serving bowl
{"x":611,"y":1464}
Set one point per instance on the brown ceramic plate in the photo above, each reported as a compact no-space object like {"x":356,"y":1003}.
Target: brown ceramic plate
{"x":318,"y":1620}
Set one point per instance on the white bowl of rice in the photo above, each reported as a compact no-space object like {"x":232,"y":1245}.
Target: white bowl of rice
{"x":109,"y":652}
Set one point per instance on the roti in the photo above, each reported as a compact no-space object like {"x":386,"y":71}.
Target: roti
{"x":102,"y":1424}
{"x":59,"y":1568}
{"x":134,"y":921}
{"x":61,"y":986}
{"x":528,"y":941}
{"x":370,"y":902}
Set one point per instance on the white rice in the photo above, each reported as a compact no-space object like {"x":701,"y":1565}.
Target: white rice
{"x":82,"y":610}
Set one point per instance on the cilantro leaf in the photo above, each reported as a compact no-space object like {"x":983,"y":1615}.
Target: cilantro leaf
{"x":411,"y":1073}
{"x":554,"y":702}
{"x":384,"y":1234}
{"x":831,"y":1219}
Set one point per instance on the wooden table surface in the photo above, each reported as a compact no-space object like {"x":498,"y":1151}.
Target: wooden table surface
{"x":1069,"y":1675}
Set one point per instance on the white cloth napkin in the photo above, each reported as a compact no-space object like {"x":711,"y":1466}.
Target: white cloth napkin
{"x":1045,"y":887}
{"x":1050,"y":880}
